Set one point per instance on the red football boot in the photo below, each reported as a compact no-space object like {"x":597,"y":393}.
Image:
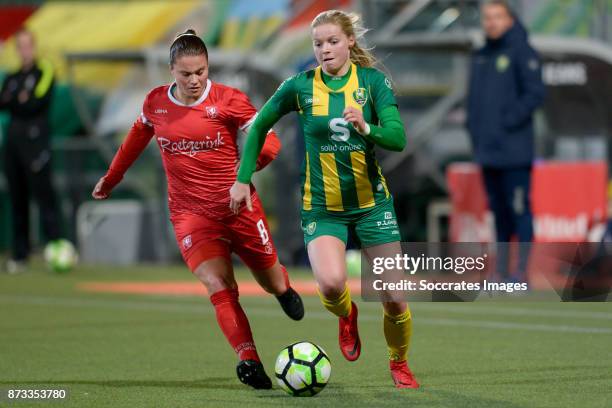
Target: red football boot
{"x":402,"y":376}
{"x":348,"y":335}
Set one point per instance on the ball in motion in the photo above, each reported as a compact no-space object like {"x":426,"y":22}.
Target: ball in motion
{"x":60,"y":255}
{"x":302,"y":369}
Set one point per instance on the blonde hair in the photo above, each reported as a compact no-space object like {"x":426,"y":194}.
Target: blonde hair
{"x":350,"y":24}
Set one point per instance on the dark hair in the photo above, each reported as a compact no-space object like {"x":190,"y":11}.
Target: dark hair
{"x":187,"y":43}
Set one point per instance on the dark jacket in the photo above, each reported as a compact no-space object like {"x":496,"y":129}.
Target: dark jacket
{"x":29,"y":118}
{"x":505,"y":88}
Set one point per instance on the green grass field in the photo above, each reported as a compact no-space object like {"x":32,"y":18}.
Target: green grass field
{"x":112,"y":350}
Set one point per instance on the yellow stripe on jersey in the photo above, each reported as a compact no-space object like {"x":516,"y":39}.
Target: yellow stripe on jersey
{"x":307,"y":199}
{"x":331,"y":182}
{"x":349,"y":90}
{"x":320,"y":95}
{"x":382,"y":180}
{"x":365,"y":195}
{"x":320,"y":92}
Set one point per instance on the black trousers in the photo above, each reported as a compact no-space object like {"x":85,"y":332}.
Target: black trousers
{"x":27,"y":165}
{"x":509,"y":191}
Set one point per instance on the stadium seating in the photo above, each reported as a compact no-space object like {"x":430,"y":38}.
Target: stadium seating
{"x":12,"y":18}
{"x":94,"y":26}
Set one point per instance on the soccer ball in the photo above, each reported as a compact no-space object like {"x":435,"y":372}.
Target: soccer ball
{"x":302,"y":369}
{"x":60,"y":255}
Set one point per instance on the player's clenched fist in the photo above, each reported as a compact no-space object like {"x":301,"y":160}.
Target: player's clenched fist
{"x":238,"y":193}
{"x":101,"y":191}
{"x":355,"y":117}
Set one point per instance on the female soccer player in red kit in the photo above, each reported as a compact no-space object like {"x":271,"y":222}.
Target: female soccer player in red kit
{"x":196,"y":122}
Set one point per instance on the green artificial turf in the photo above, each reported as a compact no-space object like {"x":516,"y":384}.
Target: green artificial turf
{"x":119,"y":350}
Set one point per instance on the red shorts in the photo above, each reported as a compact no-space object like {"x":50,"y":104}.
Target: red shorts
{"x":247,"y":234}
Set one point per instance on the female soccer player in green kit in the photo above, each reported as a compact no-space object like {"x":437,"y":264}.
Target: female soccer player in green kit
{"x":345,"y":108}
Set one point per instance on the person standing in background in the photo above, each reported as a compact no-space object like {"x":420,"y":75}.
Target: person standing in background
{"x":26,"y":95}
{"x":505,"y":88}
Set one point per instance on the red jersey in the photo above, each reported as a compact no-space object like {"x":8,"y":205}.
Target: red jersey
{"x":198,"y":145}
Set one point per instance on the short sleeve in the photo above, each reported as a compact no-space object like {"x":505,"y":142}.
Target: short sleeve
{"x":381,"y":91}
{"x":284,"y":99}
{"x":240,"y":109}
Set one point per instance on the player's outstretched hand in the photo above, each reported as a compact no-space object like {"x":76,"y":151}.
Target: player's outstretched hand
{"x":355,"y":118}
{"x":238,"y":193}
{"x":101,"y":191}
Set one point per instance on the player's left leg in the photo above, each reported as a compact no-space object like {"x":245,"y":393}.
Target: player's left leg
{"x":397,"y":322}
{"x":379,"y":235}
{"x":252,"y":242}
{"x":270,"y":280}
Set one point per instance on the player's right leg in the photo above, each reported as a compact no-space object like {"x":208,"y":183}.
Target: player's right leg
{"x":218,"y":276}
{"x":327,"y":259}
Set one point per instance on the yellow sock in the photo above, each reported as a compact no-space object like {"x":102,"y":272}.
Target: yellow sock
{"x":340,"y":306}
{"x":398,"y":331}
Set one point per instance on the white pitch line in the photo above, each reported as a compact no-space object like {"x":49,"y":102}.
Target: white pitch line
{"x":515,"y":311}
{"x":455,"y":308}
{"x":520,"y":326}
{"x":205,"y":309}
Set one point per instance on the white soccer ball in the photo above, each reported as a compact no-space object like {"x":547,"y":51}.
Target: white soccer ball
{"x":302,"y":369}
{"x":60,"y":255}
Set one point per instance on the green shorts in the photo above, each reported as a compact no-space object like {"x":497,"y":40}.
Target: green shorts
{"x":374,"y":226}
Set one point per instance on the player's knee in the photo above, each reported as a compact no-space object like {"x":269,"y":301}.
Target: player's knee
{"x":332,"y":288}
{"x":395,"y":308}
{"x":215,"y":283}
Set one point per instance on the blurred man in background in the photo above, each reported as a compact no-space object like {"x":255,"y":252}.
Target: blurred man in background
{"x":505,"y":89}
{"x":26,"y":95}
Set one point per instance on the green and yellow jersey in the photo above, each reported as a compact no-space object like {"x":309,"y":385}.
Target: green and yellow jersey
{"x":339,"y":172}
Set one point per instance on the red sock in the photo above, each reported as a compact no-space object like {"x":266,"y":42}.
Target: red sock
{"x":234,"y":323}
